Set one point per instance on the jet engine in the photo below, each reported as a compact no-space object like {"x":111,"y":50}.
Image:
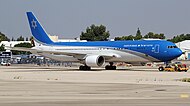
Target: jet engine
{"x":94,"y":60}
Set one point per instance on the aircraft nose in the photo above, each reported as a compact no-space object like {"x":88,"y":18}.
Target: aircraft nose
{"x":178,"y":53}
{"x":173,"y":54}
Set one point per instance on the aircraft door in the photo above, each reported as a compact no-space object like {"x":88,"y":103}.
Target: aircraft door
{"x":157,"y":48}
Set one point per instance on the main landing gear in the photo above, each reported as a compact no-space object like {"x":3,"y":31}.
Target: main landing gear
{"x":110,"y":67}
{"x":84,"y":68}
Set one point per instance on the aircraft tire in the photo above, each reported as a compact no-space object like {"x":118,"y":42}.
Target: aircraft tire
{"x":84,"y":68}
{"x":108,"y":67}
{"x":161,"y":68}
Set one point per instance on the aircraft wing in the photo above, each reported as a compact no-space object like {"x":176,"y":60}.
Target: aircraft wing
{"x":76,"y":55}
{"x":38,"y":51}
{"x":20,"y":49}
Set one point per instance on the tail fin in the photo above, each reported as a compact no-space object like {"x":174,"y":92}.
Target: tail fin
{"x":37,"y":30}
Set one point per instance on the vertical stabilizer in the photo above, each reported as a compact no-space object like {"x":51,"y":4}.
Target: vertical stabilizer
{"x":37,"y":30}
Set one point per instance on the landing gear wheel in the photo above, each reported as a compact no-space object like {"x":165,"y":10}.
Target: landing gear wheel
{"x":84,"y":68}
{"x":110,"y":67}
{"x":161,"y":68}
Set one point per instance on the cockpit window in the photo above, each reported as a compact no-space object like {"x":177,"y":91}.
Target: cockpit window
{"x":170,"y":47}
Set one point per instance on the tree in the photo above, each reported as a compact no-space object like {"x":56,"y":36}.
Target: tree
{"x":155,"y":36}
{"x":12,"y":39}
{"x":26,"y":38}
{"x":3,"y":37}
{"x":31,"y":38}
{"x":149,"y":35}
{"x":27,"y":45}
{"x":138,"y":35}
{"x":20,"y":38}
{"x":162,"y":36}
{"x":130,"y":37}
{"x":95,"y":33}
{"x":32,"y":41}
{"x":2,"y":48}
{"x":180,"y":38}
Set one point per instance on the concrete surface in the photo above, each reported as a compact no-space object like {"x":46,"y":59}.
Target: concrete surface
{"x":55,"y":86}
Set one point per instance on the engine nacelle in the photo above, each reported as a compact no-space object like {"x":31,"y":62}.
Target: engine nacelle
{"x":94,"y":60}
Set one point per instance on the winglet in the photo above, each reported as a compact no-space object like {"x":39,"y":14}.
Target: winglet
{"x":37,"y":30}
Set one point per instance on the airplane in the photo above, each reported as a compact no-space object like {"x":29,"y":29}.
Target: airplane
{"x":97,"y":53}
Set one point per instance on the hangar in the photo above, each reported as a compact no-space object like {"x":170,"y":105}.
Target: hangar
{"x":185,"y":47}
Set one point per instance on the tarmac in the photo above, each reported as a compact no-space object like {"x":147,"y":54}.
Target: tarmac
{"x":55,"y":86}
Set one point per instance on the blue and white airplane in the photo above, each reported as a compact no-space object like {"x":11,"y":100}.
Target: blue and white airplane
{"x":97,"y":53}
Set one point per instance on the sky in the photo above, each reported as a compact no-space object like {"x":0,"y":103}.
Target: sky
{"x":68,"y":18}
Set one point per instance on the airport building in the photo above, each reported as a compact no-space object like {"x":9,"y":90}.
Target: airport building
{"x":185,"y":47}
{"x":56,"y":39}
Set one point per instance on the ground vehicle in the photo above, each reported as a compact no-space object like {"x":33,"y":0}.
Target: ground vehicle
{"x":175,"y":67}
{"x":5,"y":63}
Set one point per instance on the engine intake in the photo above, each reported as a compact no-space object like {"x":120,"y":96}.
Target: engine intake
{"x":94,"y":60}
